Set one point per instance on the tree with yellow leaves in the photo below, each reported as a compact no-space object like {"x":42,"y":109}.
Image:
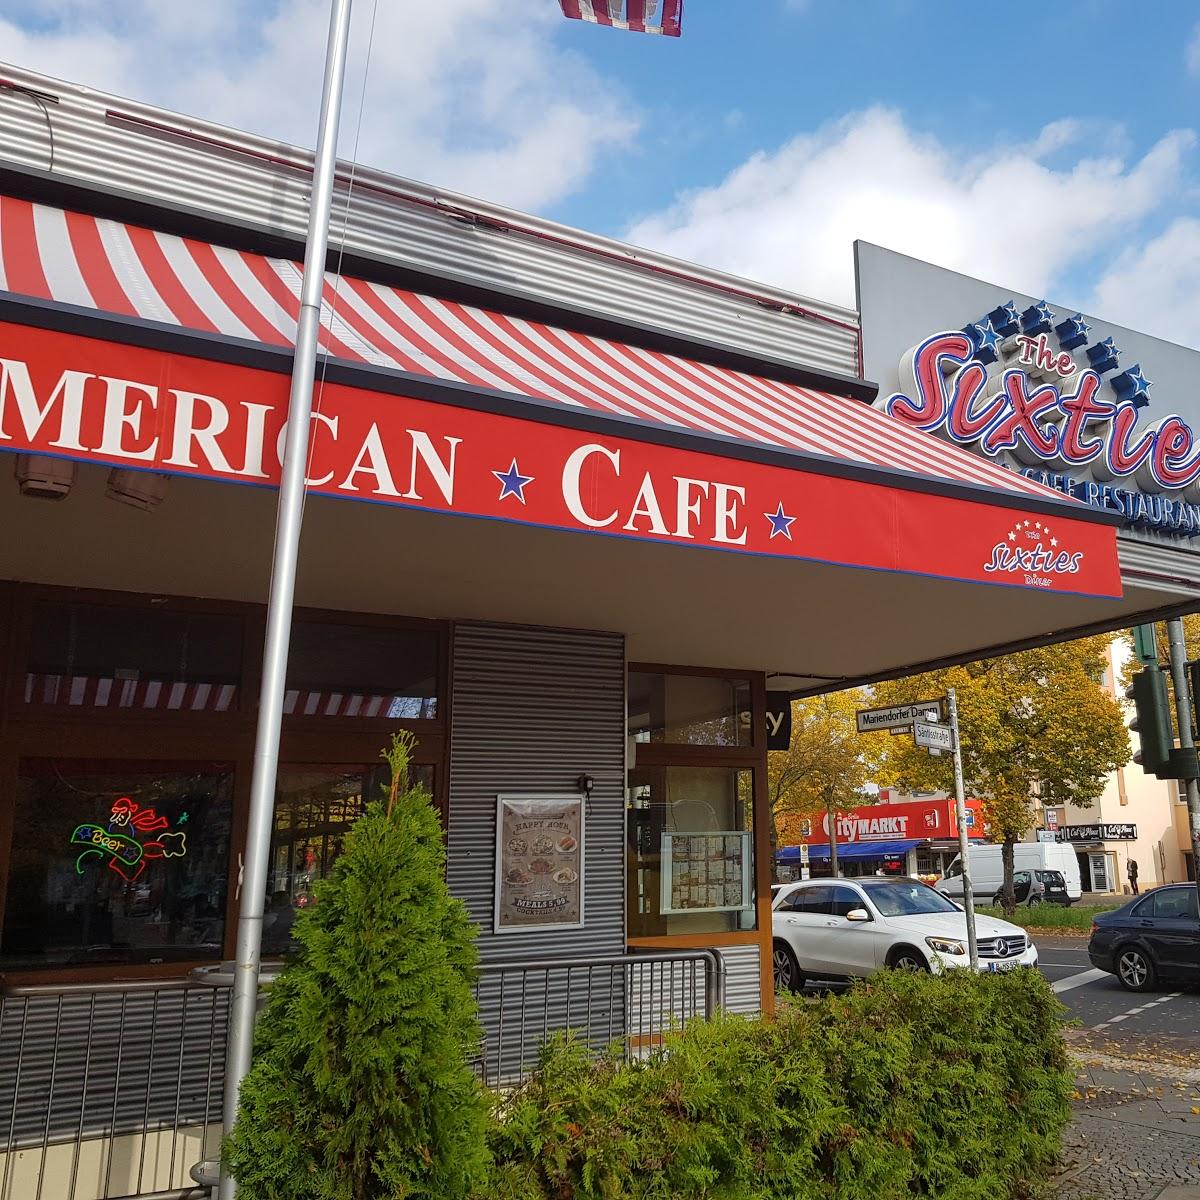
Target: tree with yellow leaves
{"x":1037,"y":728}
{"x":826,"y":766}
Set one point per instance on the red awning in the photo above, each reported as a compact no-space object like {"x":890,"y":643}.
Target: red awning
{"x":114,"y":267}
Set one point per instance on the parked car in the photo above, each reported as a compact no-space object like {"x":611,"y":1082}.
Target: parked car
{"x":987,"y":868}
{"x":1036,"y":887}
{"x":843,"y":928}
{"x":1150,"y":939}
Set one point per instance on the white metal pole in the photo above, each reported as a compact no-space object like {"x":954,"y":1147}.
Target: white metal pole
{"x":964,"y":841}
{"x":1183,"y":712}
{"x":283,"y":582}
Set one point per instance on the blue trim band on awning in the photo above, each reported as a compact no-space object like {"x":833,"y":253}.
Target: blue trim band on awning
{"x":848,"y":850}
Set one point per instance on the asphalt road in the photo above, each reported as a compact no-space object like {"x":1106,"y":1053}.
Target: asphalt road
{"x":1098,"y":1002}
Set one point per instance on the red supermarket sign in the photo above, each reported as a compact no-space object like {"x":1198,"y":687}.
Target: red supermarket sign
{"x":92,"y":400}
{"x":911,"y":820}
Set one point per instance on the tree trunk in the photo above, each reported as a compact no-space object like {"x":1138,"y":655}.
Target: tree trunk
{"x":1008,"y":897}
{"x":833,"y":854}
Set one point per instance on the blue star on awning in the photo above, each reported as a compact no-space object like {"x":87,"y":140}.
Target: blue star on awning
{"x":781,"y":523}
{"x":1104,"y":356}
{"x":1133,"y":385}
{"x":512,"y":482}
{"x":986,"y":340}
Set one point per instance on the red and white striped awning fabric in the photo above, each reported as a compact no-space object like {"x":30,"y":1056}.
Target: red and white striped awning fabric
{"x":114,"y":267}
{"x":105,"y":691}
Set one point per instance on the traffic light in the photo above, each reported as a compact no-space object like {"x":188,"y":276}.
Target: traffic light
{"x":1152,"y":723}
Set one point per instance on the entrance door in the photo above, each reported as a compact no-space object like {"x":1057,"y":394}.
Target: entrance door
{"x":1101,"y":877}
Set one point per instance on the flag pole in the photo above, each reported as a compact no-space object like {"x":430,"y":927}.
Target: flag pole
{"x":288,"y":520}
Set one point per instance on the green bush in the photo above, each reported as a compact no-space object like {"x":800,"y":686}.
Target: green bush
{"x":1075,"y":918}
{"x":953,"y":1086}
{"x":361,"y":1087}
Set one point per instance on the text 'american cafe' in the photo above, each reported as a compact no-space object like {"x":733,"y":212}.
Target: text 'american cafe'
{"x":572,"y":510}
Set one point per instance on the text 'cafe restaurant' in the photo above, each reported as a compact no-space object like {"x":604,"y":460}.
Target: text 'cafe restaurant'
{"x":573,"y":508}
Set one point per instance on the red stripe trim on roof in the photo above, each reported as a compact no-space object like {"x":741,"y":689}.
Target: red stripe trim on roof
{"x":136,"y":272}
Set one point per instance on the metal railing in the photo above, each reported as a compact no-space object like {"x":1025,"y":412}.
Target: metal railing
{"x":630,"y":1000}
{"x":109,"y":1090}
{"x":113,"y":1091}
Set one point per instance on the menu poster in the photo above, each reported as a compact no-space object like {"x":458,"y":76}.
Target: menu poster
{"x":539,"y":862}
{"x":705,"y":872}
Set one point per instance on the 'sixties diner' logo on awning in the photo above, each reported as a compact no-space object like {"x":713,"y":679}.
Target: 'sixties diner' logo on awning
{"x":1029,"y":387}
{"x":1031,"y":550}
{"x":91,"y":400}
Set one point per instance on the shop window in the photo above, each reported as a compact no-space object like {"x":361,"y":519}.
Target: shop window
{"x":691,"y":855}
{"x":117,"y":862}
{"x":362,"y":671}
{"x":314,"y":810}
{"x":689,"y":710}
{"x":89,"y":656}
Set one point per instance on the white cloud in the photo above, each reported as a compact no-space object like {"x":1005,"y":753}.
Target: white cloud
{"x":790,"y":217}
{"x":1193,"y":52}
{"x":465,"y":94}
{"x":1157,"y":286}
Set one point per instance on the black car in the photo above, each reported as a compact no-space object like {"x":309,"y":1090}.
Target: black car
{"x":1152,"y":938}
{"x":1037,"y":887}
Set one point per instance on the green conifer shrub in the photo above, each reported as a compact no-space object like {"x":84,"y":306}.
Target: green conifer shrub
{"x":361,"y":1087}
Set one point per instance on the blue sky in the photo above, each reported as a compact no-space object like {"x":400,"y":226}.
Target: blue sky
{"x":1047,"y":147}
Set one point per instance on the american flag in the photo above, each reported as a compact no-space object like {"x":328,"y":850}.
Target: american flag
{"x":642,"y":16}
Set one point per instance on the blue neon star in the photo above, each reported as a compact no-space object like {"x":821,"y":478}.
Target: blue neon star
{"x":986,"y":337}
{"x":1073,"y":332}
{"x":182,"y":819}
{"x":1005,"y":319}
{"x":1037,"y":318}
{"x":1133,"y":385}
{"x":781,"y":523}
{"x":1104,"y":355}
{"x":512,"y":482}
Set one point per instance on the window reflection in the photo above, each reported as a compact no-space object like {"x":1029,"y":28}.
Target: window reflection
{"x":314,"y":810}
{"x":694,"y":710}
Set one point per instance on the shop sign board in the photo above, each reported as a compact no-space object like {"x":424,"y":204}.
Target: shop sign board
{"x":539,"y":862}
{"x":1102,"y":414}
{"x":779,"y":720}
{"x":1119,"y":832}
{"x":87,"y":399}
{"x":705,"y":871}
{"x":932,"y":736}
{"x":897,"y":716}
{"x":887,"y":822}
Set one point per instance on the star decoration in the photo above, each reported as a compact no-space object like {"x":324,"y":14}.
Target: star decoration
{"x":1054,"y":541}
{"x":781,"y":523}
{"x":986,"y":340}
{"x":1133,"y":385}
{"x":1037,"y":524}
{"x":1073,"y":332}
{"x":1037,"y":318}
{"x":1005,"y":319}
{"x":1012,"y":537}
{"x":1104,"y":356}
{"x":512,"y":482}
{"x":182,"y":819}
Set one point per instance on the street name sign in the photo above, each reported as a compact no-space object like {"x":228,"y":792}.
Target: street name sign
{"x":932,"y":736}
{"x":897,"y":716}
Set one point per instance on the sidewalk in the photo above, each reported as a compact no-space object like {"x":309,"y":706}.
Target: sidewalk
{"x":1136,"y":1132}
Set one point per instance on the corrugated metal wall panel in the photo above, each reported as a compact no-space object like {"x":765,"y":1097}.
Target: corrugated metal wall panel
{"x":531,"y":711}
{"x":743,"y":986}
{"x":261,"y":182}
{"x":149,"y":1059}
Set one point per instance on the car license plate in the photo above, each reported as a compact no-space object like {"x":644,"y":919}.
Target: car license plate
{"x":1007,"y":965}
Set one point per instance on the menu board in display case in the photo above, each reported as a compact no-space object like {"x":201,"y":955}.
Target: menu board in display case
{"x":539,"y":862}
{"x":705,"y":872}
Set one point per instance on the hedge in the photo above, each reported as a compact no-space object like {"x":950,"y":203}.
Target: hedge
{"x":954,"y":1086}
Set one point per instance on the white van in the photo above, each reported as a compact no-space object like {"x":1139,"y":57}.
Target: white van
{"x":987,"y":868}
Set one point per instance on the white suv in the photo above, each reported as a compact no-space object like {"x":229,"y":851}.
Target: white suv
{"x":842,"y":928}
